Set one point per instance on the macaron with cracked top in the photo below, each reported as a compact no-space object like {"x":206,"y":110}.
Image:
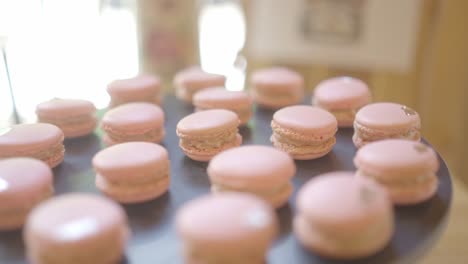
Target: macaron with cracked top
{"x":132,"y":172}
{"x":24,"y":183}
{"x":40,"y":141}
{"x":343,"y":217}
{"x":220,"y":98}
{"x":343,"y":97}
{"x":385,"y":120}
{"x":206,"y":133}
{"x":407,"y":169}
{"x":277,"y":87}
{"x":75,"y":117}
{"x":305,"y":132}
{"x":133,"y":122}
{"x":226,"y":228}
{"x":263,"y":171}
{"x":76,"y":229}
{"x":141,"y":88}
{"x":193,"y":79}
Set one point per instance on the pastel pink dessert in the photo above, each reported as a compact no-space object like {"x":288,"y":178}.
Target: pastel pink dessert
{"x":133,"y":122}
{"x":277,"y":87}
{"x":226,"y":228}
{"x":24,"y":183}
{"x":206,"y":133}
{"x":132,"y":172}
{"x":407,"y":169}
{"x":40,"y":141}
{"x":343,"y":97}
{"x":305,"y":132}
{"x":260,"y":170}
{"x":74,"y":117}
{"x":141,"y":88}
{"x":380,"y":121}
{"x":218,"y":97}
{"x":340,"y":216}
{"x":193,"y":79}
{"x":76,"y":229}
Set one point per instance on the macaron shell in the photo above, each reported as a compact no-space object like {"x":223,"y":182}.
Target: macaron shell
{"x":139,"y":86}
{"x":396,"y":157}
{"x":209,"y":121}
{"x":204,"y":157}
{"x":63,"y":108}
{"x":25,"y":138}
{"x":361,"y":201}
{"x":277,"y":102}
{"x":134,"y":194}
{"x":219,"y":97}
{"x":251,"y":166}
{"x":24,"y":182}
{"x":306,"y":119}
{"x":76,"y":228}
{"x":312,"y":155}
{"x":194,"y":78}
{"x":83,"y":129}
{"x":313,"y":240}
{"x":228,"y":222}
{"x":277,"y":78}
{"x":387,"y":115}
{"x":410,"y":195}
{"x":342,"y":93}
{"x":139,"y":159}
{"x":133,"y":117}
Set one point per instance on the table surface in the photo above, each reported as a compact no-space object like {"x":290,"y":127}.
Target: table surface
{"x":154,"y":239}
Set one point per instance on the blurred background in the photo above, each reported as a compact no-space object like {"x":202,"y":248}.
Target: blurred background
{"x":413,"y":52}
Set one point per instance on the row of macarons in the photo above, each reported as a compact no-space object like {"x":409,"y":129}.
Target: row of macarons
{"x":341,"y":215}
{"x":305,"y":132}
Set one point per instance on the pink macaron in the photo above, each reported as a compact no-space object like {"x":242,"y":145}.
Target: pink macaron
{"x":379,"y":121}
{"x":133,"y":122}
{"x":206,"y":133}
{"x":305,"y":132}
{"x":344,"y":217}
{"x":141,"y":88}
{"x":193,"y":79}
{"x":75,"y":117}
{"x":218,"y":97}
{"x":76,"y":229}
{"x":407,"y":169}
{"x":24,"y":183}
{"x":226,"y":228}
{"x":260,"y":170}
{"x":343,"y":97}
{"x":132,"y":172}
{"x":277,"y":87}
{"x":40,"y":141}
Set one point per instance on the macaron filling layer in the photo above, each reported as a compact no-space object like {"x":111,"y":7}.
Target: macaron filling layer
{"x":116,"y":100}
{"x":295,"y":147}
{"x":277,"y":95}
{"x":371,"y":134}
{"x":208,"y":143}
{"x":44,"y":154}
{"x":153,"y":134}
{"x":69,"y":120}
{"x":266,"y":193}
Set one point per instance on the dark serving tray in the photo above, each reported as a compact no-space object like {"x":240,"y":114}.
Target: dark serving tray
{"x":154,"y":240}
